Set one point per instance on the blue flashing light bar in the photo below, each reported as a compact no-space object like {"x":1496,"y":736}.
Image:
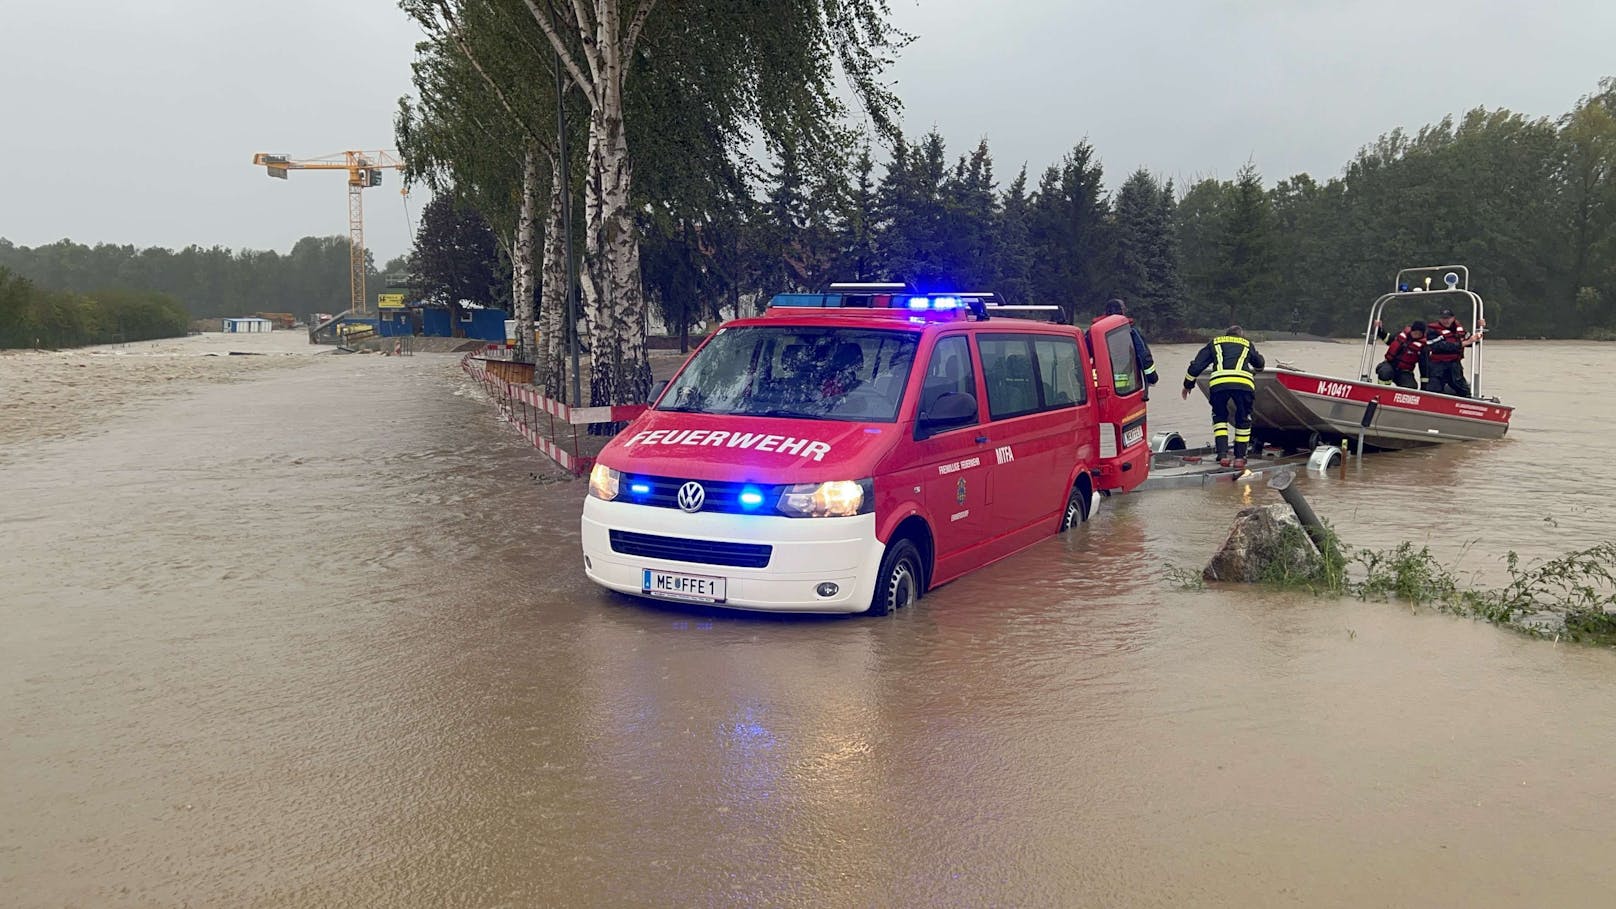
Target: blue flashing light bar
{"x":751,"y":497}
{"x":923,"y":306}
{"x":639,"y":489}
{"x":808,"y":301}
{"x":913,"y":302}
{"x":940,"y":304}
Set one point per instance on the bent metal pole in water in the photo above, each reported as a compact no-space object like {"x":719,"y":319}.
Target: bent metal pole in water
{"x":1285,"y":484}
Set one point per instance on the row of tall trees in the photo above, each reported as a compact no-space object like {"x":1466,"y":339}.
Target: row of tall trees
{"x":1528,"y":204}
{"x":664,"y":102}
{"x":207,"y":282}
{"x":678,"y":218}
{"x":946,"y":225}
{"x":34,"y":317}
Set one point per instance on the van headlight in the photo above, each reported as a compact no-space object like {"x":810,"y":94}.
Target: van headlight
{"x":604,"y":482}
{"x":834,"y":499}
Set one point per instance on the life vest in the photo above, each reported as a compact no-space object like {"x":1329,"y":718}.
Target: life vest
{"x":1454,"y":334}
{"x":1405,"y":351}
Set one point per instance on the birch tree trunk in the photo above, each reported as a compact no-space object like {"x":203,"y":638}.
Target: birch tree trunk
{"x":522,"y":261}
{"x":594,"y":286}
{"x":630,"y":370}
{"x":550,"y":370}
{"x":613,"y":297}
{"x":619,"y":370}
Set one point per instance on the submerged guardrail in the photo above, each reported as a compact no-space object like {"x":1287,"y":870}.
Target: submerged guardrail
{"x":536,"y":417}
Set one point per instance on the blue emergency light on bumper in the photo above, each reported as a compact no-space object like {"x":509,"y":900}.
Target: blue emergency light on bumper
{"x":809,"y":500}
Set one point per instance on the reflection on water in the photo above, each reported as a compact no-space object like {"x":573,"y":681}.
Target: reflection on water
{"x":261,"y":649}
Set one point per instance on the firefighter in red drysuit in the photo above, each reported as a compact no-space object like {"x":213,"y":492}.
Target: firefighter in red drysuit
{"x":1407,"y":350}
{"x":1447,"y":342}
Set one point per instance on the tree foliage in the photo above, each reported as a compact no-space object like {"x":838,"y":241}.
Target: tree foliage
{"x":1528,"y":204}
{"x":1146,"y":269}
{"x":207,"y":282}
{"x":34,"y":317}
{"x":455,"y":258}
{"x":674,"y":93}
{"x":1072,"y":235}
{"x":1244,"y":282}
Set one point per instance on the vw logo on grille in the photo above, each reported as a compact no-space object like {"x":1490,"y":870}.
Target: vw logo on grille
{"x":691,"y":496}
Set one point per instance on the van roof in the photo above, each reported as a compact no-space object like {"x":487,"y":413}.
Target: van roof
{"x":876,"y":299}
{"x":894,"y":320}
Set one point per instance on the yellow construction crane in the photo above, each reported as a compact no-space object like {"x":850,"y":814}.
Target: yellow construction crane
{"x":364,"y":170}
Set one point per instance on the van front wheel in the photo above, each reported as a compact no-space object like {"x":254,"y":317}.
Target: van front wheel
{"x":898,"y":583}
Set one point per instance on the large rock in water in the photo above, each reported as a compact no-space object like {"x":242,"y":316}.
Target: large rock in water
{"x":1266,"y":542}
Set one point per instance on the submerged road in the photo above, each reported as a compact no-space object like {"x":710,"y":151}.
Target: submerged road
{"x":264,"y":647}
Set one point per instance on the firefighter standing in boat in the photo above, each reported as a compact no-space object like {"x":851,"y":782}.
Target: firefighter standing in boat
{"x":1231,"y":386}
{"x":1448,"y":341}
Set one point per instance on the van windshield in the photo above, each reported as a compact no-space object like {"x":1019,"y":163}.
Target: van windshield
{"x":797,"y":371}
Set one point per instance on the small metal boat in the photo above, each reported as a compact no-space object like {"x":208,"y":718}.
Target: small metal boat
{"x":1297,"y":410}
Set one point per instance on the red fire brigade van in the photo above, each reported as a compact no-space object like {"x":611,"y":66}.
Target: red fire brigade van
{"x":848,"y":451}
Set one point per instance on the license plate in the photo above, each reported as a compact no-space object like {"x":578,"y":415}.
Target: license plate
{"x":697,"y":588}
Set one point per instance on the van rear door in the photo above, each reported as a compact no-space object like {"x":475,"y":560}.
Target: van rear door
{"x":1120,"y":394}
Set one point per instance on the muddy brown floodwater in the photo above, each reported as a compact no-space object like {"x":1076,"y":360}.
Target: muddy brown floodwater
{"x":319,"y":636}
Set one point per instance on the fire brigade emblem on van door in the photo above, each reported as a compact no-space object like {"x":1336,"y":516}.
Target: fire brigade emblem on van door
{"x":691,"y":497}
{"x":959,"y":491}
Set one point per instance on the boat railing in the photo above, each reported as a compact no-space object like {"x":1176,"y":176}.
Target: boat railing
{"x":1409,"y":278}
{"x":1443,"y":298}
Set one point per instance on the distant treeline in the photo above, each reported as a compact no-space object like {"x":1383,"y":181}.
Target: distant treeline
{"x":208,"y":283}
{"x":34,"y":317}
{"x":1528,"y":204}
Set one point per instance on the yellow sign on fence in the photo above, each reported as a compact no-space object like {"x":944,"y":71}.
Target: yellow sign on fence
{"x":389,"y":301}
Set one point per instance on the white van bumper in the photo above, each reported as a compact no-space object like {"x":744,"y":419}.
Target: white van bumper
{"x":805,"y":553}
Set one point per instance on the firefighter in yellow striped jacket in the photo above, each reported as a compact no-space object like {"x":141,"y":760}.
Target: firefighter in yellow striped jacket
{"x":1233,"y":361}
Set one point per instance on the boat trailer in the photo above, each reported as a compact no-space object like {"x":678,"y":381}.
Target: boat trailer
{"x":1173,"y":465}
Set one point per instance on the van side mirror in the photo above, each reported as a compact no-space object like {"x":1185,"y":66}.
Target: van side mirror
{"x":950,"y":410}
{"x":660,"y":386}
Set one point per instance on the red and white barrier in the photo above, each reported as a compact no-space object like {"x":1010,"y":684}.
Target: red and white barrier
{"x":507,"y":396}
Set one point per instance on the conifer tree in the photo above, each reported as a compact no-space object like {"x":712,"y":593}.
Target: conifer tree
{"x":912,"y":207}
{"x":970,"y":210}
{"x":1012,"y":278}
{"x":860,"y":221}
{"x":1070,"y":235}
{"x":1245,"y":282}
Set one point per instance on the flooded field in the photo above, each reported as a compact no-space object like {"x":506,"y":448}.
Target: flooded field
{"x":50,"y":394}
{"x":312,"y":630}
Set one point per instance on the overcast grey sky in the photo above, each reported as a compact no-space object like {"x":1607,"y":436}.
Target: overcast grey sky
{"x":135,"y":123}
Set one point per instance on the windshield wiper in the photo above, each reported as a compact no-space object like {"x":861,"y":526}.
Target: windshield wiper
{"x":788,"y":414}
